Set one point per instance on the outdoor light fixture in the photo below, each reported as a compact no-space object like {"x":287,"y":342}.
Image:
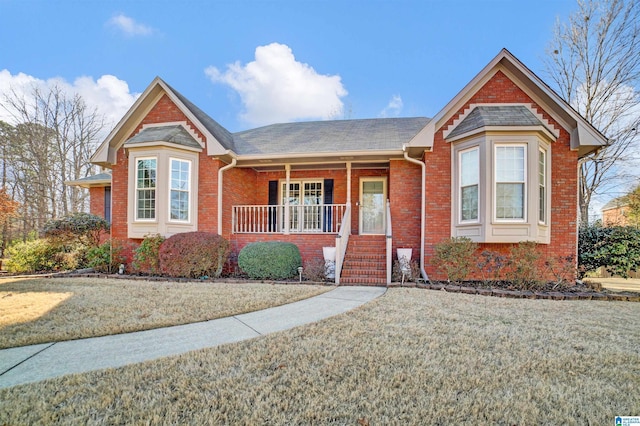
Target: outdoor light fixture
{"x":300,"y":272}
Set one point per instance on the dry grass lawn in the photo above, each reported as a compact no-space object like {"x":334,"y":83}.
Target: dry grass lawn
{"x":409,"y":357}
{"x":46,"y":310}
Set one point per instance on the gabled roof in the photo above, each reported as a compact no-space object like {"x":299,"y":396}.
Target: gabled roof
{"x":381,"y":134}
{"x":616,"y":203}
{"x":218,"y":140}
{"x":584,"y":137}
{"x":222,"y":135}
{"x":174,"y":134}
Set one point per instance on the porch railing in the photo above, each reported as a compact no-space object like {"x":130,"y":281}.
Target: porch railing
{"x":342,"y":240}
{"x":389,"y":234}
{"x":261,"y":219}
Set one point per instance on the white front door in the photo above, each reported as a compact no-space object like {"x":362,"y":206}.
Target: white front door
{"x":373,"y":196}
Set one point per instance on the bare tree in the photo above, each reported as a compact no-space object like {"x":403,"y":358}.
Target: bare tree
{"x":594,"y":61}
{"x":51,"y":142}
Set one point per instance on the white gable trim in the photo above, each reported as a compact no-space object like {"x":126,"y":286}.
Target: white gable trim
{"x":106,"y":152}
{"x":583,"y":134}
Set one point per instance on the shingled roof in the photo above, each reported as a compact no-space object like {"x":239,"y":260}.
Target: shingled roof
{"x":329,"y":136}
{"x":222,"y":135}
{"x":175,"y":134}
{"x":498,"y":116}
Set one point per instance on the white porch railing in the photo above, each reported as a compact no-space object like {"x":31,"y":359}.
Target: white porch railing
{"x":261,"y":219}
{"x":389,"y":234}
{"x":342,"y":240}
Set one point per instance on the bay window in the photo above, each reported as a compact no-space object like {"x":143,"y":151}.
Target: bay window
{"x":510,"y":182}
{"x":501,"y":188}
{"x":179,"y":192}
{"x":146,"y":169}
{"x":165,"y":195}
{"x":542,"y":186}
{"x":469,"y":184}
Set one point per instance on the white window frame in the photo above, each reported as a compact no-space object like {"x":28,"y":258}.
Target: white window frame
{"x":495,"y":183}
{"x":171,"y":189}
{"x":137,"y":189}
{"x":300,"y":223}
{"x":460,"y":186}
{"x":543,"y":185}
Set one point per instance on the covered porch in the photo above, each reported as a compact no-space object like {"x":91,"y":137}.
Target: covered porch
{"x":321,"y":204}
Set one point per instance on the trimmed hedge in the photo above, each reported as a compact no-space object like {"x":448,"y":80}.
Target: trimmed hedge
{"x":272,"y":260}
{"x":193,"y":255}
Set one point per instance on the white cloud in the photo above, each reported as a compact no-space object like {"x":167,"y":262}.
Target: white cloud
{"x":277,"y":88}
{"x":393,"y":108}
{"x":129,"y":26}
{"x":109,"y":95}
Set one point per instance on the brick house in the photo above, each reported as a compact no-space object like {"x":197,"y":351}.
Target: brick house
{"x":497,"y":164}
{"x":616,"y":212}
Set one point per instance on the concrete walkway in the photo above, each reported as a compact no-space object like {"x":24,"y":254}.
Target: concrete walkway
{"x":33,"y":363}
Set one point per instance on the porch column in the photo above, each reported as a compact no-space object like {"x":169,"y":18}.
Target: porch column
{"x":287,"y":213}
{"x":348,"y":183}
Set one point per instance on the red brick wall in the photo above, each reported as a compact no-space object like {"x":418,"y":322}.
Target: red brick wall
{"x":500,"y":89}
{"x":96,"y":200}
{"x":164,"y":111}
{"x":618,"y":216}
{"x":404,"y":194}
{"x":239,"y":189}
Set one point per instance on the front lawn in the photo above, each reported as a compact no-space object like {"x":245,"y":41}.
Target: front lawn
{"x":410,"y":357}
{"x":53,"y":309}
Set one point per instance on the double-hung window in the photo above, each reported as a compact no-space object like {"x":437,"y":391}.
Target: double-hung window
{"x":146,"y":169}
{"x":469,"y":184}
{"x":179,"y":190}
{"x":510,"y":172}
{"x":542,"y":186}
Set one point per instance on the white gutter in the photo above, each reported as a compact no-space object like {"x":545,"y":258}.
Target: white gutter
{"x":422,"y":209}
{"x":227,"y":167}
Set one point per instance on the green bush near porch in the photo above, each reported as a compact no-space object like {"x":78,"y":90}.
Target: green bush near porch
{"x":273,"y":260}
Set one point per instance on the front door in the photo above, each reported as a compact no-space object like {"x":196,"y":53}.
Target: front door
{"x":373,"y":195}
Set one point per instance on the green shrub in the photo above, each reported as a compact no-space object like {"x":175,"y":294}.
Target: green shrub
{"x":193,"y":255}
{"x":523,"y":265}
{"x":146,"y":258}
{"x":33,"y":256}
{"x":455,"y":257}
{"x":615,"y":248}
{"x":106,"y":258}
{"x":270,"y":260}
{"x":83,"y":228}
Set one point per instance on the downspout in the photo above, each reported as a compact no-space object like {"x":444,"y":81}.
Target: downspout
{"x":422,"y":208}
{"x":227,"y":167}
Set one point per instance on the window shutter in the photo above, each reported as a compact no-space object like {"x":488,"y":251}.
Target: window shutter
{"x":107,"y":204}
{"x":328,"y":191}
{"x":328,"y":199}
{"x":273,"y":201}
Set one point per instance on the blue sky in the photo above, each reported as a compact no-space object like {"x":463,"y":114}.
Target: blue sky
{"x":248,"y":63}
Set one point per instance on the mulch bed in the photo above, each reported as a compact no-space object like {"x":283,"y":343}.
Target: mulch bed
{"x":550,"y":291}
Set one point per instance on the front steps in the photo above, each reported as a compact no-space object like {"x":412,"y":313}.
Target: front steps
{"x":365,"y":261}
